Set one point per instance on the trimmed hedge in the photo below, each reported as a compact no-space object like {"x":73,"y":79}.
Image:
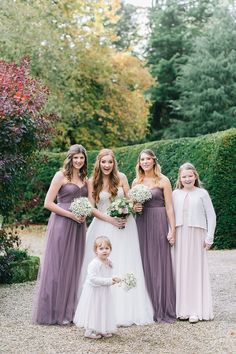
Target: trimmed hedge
{"x":26,"y":270}
{"x":20,"y":270}
{"x":213,"y":155}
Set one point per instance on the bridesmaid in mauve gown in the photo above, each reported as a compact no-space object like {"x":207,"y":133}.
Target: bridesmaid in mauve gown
{"x":156,"y":229}
{"x":56,"y":293}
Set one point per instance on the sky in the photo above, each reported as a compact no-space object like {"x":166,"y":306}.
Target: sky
{"x":139,"y":2}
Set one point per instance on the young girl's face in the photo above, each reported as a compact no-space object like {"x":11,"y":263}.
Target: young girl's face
{"x":103,"y":251}
{"x":78,"y":161}
{"x":106,"y":164}
{"x":146,"y":162}
{"x":187,"y":179}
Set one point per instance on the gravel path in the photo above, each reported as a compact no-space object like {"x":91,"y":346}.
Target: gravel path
{"x":18,"y":335}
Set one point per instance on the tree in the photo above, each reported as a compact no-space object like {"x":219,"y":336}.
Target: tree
{"x":208,"y":81}
{"x":174,"y":24}
{"x":23,"y":128}
{"x":127,"y":27}
{"x":71,"y":49}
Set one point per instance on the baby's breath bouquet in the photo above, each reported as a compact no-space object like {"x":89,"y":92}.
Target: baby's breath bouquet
{"x":140,"y":194}
{"x":81,"y":207}
{"x":120,"y":208}
{"x":128,"y":281}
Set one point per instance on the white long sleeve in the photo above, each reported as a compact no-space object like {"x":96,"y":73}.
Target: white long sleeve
{"x":201,"y":212}
{"x":94,"y":276}
{"x":210,"y":218}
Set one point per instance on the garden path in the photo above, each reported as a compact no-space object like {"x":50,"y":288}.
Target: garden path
{"x":18,"y":335}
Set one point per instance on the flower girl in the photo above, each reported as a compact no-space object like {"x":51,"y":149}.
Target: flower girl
{"x":95,"y":311}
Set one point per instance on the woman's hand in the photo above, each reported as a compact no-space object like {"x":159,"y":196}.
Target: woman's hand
{"x":138,"y":207}
{"x":207,"y":246}
{"x":118,"y":222}
{"x":78,"y":219}
{"x":171,"y":237}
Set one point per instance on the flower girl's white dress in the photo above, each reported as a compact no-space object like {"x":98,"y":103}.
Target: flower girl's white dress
{"x":95,"y":310}
{"x":134,"y":306}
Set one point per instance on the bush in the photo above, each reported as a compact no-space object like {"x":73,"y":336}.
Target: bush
{"x":24,"y":270}
{"x":15,"y":263}
{"x":24,"y":128}
{"x":213,"y":155}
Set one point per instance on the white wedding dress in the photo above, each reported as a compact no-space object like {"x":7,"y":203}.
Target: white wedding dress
{"x":133,"y":306}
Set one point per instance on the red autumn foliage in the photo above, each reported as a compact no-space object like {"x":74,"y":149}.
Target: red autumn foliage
{"x":24,"y":128}
{"x":19,"y":93}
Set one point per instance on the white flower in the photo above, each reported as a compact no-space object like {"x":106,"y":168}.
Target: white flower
{"x":140,"y":193}
{"x":120,"y":207}
{"x":81,"y":207}
{"x":128,"y":281}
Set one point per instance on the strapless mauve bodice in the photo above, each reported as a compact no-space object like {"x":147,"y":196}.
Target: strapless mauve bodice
{"x":157,"y":200}
{"x":69,"y":192}
{"x":104,"y":199}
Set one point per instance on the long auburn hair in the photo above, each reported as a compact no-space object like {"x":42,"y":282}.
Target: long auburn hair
{"x":114,"y":179}
{"x":67,"y":168}
{"x":188,"y":166}
{"x":156,"y":167}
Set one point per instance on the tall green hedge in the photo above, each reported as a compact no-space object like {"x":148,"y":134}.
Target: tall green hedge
{"x":213,"y":155}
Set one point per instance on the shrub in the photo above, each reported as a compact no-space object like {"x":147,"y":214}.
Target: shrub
{"x":23,"y":128}
{"x":213,"y":155}
{"x":15,"y":263}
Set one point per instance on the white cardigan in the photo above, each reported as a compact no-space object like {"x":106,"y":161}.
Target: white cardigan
{"x":201,"y":212}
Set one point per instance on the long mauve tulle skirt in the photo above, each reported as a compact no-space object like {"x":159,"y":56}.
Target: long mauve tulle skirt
{"x":57,"y":285}
{"x":156,"y":257}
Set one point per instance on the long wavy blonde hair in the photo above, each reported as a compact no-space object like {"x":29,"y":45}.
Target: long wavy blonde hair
{"x":156,"y":167}
{"x":114,"y":179}
{"x":67,"y":168}
{"x":189,"y":167}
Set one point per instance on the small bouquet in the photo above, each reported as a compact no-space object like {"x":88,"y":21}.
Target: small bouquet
{"x":81,"y":207}
{"x":120,"y":208}
{"x":128,"y":281}
{"x":140,"y":194}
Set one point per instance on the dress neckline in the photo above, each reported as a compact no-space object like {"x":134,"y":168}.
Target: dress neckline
{"x":156,"y":187}
{"x":109,"y":192}
{"x":148,"y":187}
{"x":74,"y":185}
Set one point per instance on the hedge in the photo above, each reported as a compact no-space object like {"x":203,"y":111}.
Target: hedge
{"x":26,"y":270}
{"x":213,"y":155}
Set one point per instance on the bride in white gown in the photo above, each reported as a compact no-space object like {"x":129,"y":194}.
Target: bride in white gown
{"x":134,"y":306}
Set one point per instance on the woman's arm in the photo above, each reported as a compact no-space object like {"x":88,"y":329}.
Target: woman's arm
{"x":138,"y":207}
{"x":49,"y":203}
{"x":167,"y":189}
{"x":124,"y":184}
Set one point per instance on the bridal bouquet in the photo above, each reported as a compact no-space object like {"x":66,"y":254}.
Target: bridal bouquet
{"x":128,"y":281}
{"x":120,"y":208}
{"x":81,"y":207}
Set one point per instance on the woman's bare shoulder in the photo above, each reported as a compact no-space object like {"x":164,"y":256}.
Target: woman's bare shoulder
{"x":59,"y":175}
{"x":122,"y":177}
{"x":164,"y":181}
{"x":135,"y":181}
